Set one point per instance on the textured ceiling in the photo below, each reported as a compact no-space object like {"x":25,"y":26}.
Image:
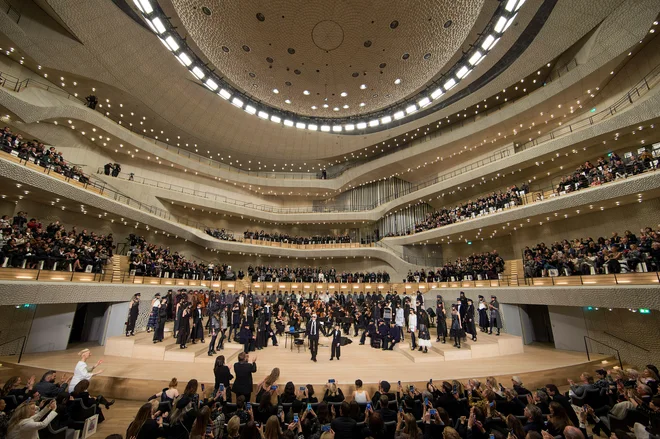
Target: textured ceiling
{"x":329,"y":59}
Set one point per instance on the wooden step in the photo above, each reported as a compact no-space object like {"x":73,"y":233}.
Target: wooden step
{"x":416,"y":356}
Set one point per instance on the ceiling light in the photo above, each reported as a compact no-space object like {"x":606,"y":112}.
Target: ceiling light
{"x":436,"y":94}
{"x":263,"y":115}
{"x":336,"y":128}
{"x":325,"y":105}
{"x":237,"y":102}
{"x":275,"y":119}
{"x":335,"y":109}
{"x":462,"y":72}
{"x":312,"y":127}
{"x":210,"y":83}
{"x":250,"y":109}
{"x":276,"y":91}
{"x":345,"y":106}
{"x":288,"y":123}
{"x":499,"y":26}
{"x":198,"y":72}
{"x":475,"y":58}
{"x":172,"y":44}
{"x":287,"y":101}
{"x":363,"y":86}
{"x":397,"y":81}
{"x":144,"y":6}
{"x":306,"y":92}
{"x":361,"y":125}
{"x":510,"y":5}
{"x":399,"y":115}
{"x":374,"y":123}
{"x":362,"y":104}
{"x":184,"y":58}
{"x":411,"y":109}
{"x":300,"y":125}
{"x":449,"y":84}
{"x":224,"y":93}
{"x":424,"y":102}
{"x":349,"y":127}
{"x":325,"y":128}
{"x":386,"y":119}
{"x":487,"y":42}
{"x":343,"y":94}
{"x":158,"y":24}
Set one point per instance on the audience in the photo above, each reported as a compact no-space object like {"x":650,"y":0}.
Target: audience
{"x":28,"y":243}
{"x":220,"y":234}
{"x":584,"y":256}
{"x":264,"y":273}
{"x":488,"y":265}
{"x":288,"y":239}
{"x":37,"y":153}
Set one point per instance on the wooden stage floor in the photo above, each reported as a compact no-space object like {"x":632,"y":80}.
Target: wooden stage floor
{"x":135,"y":378}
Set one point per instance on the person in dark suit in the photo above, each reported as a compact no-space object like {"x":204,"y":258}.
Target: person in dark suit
{"x":244,"y":370}
{"x":133,"y":313}
{"x":556,"y":396}
{"x":198,"y":324}
{"x":394,"y":336}
{"x":335,"y":349}
{"x":470,"y":323}
{"x":312,"y":332}
{"x":159,"y":331}
{"x":344,"y":426}
{"x":246,"y":337}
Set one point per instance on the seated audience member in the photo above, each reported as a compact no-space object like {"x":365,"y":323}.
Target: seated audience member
{"x":47,"y":387}
{"x":80,"y":392}
{"x":148,"y":424}
{"x":26,"y":421}
{"x":344,"y":426}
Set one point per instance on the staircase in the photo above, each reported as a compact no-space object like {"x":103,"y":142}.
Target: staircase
{"x":514,"y":268}
{"x":120,"y":266}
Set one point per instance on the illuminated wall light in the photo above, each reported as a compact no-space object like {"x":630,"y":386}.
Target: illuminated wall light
{"x":210,"y":83}
{"x":312,"y":127}
{"x":449,"y":84}
{"x":250,"y":109}
{"x":288,"y":123}
{"x":171,"y":43}
{"x":144,"y":6}
{"x":263,"y":115}
{"x":158,"y":24}
{"x":424,"y":102}
{"x":475,"y":58}
{"x":411,"y":109}
{"x":508,"y":23}
{"x":336,"y":128}
{"x":487,"y":42}
{"x":325,"y":128}
{"x":437,"y":93}
{"x":399,"y":115}
{"x":510,"y":4}
{"x":374,"y":123}
{"x":499,"y":26}
{"x":224,"y":93}
{"x":275,"y":119}
{"x":386,"y":119}
{"x":300,"y":125}
{"x":462,"y":72}
{"x":361,"y":125}
{"x":349,"y":127}
{"x":198,"y":72}
{"x":237,"y":102}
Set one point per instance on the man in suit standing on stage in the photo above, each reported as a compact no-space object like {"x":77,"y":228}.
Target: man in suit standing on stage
{"x":243,"y":371}
{"x":335,"y":349}
{"x":312,"y":332}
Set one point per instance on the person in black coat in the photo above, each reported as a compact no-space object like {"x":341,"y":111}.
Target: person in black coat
{"x":198,"y":324}
{"x":223,"y":376}
{"x":246,"y":337}
{"x":469,"y":322}
{"x":312,"y":333}
{"x":133,"y":313}
{"x":244,"y":370}
{"x":184,"y":325}
{"x":441,"y":319}
{"x":335,"y":349}
{"x":394,"y":336}
{"x":159,"y":331}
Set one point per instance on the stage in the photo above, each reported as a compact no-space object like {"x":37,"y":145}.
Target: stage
{"x":135,"y":368}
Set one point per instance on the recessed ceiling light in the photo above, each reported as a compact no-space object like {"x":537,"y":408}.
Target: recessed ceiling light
{"x":363,"y":86}
{"x":362,"y":104}
{"x":345,"y":106}
{"x":306,"y":92}
{"x":287,"y":101}
{"x":325,"y":105}
{"x":336,"y":109}
{"x":397,"y":81}
{"x":343,"y":94}
{"x":276,"y":91}
{"x":313,"y":107}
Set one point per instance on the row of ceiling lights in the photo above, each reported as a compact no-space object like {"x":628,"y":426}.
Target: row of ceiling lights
{"x":173,"y":43}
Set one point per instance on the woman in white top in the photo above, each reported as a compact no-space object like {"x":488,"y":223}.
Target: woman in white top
{"x":412,"y":327}
{"x":82,"y":371}
{"x":25,"y":424}
{"x":360,"y":396}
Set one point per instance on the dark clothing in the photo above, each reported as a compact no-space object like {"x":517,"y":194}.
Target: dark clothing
{"x":150,"y":430}
{"x":312,"y":332}
{"x":243,"y":382}
{"x":344,"y":427}
{"x":133,"y":313}
{"x":335,"y":349}
{"x":49,"y":390}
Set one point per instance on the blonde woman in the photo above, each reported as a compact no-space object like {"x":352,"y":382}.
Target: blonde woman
{"x":268,"y":382}
{"x":25,"y":424}
{"x":82,"y":371}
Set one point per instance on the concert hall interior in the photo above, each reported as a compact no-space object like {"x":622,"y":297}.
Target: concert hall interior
{"x":319,"y":219}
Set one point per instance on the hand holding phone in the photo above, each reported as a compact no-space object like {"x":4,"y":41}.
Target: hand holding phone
{"x":248,"y":406}
{"x":368,"y":406}
{"x":433,"y":412}
{"x":295,"y":418}
{"x":331,"y":381}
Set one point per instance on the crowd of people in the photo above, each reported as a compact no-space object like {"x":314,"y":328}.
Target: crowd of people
{"x":289,"y":239}
{"x":37,"y":153}
{"x":112,"y":169}
{"x":264,"y":273}
{"x":152,"y":260}
{"x":488,"y":265}
{"x":604,"y":171}
{"x":220,"y":234}
{"x":585,"y":256}
{"x":26,"y":243}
